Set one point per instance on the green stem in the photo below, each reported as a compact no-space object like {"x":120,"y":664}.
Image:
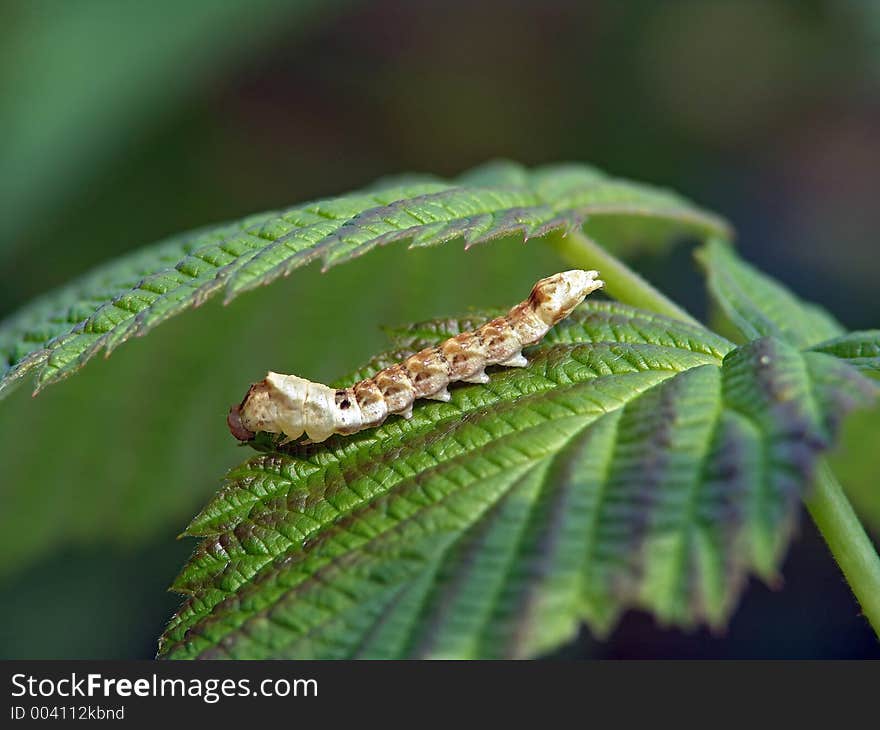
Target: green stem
{"x":621,"y":282}
{"x":827,"y":504}
{"x":849,"y":544}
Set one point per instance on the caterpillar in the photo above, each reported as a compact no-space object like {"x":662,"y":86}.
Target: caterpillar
{"x":293,"y":406}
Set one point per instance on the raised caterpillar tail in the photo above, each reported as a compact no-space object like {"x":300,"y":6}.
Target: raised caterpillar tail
{"x":293,"y":406}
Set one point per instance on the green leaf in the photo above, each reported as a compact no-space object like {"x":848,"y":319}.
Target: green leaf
{"x":860,"y":349}
{"x":636,"y":462}
{"x":56,"y":335}
{"x":758,"y":305}
{"x":855,"y":463}
{"x":142,"y":462}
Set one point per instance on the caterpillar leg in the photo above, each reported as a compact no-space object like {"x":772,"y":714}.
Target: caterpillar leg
{"x":517,"y":361}
{"x":442,"y":395}
{"x":479,"y":377}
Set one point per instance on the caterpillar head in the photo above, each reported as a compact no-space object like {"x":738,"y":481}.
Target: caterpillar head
{"x":554,"y":298}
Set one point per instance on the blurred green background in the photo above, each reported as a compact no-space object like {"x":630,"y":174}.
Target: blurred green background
{"x":122,"y":122}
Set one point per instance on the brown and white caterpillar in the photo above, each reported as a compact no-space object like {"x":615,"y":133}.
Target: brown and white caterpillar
{"x":289,"y":405}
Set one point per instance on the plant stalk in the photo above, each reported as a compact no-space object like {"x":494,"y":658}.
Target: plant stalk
{"x":827,"y":504}
{"x":848,"y":542}
{"x":621,"y":282}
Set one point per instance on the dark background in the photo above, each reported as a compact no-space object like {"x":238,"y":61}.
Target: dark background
{"x":123,"y":122}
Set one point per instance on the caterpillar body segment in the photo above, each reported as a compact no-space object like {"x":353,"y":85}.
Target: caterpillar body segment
{"x":293,"y":406}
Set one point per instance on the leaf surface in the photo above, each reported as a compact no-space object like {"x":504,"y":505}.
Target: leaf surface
{"x":57,"y":334}
{"x":758,"y":305}
{"x":860,"y":349}
{"x":636,"y":462}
